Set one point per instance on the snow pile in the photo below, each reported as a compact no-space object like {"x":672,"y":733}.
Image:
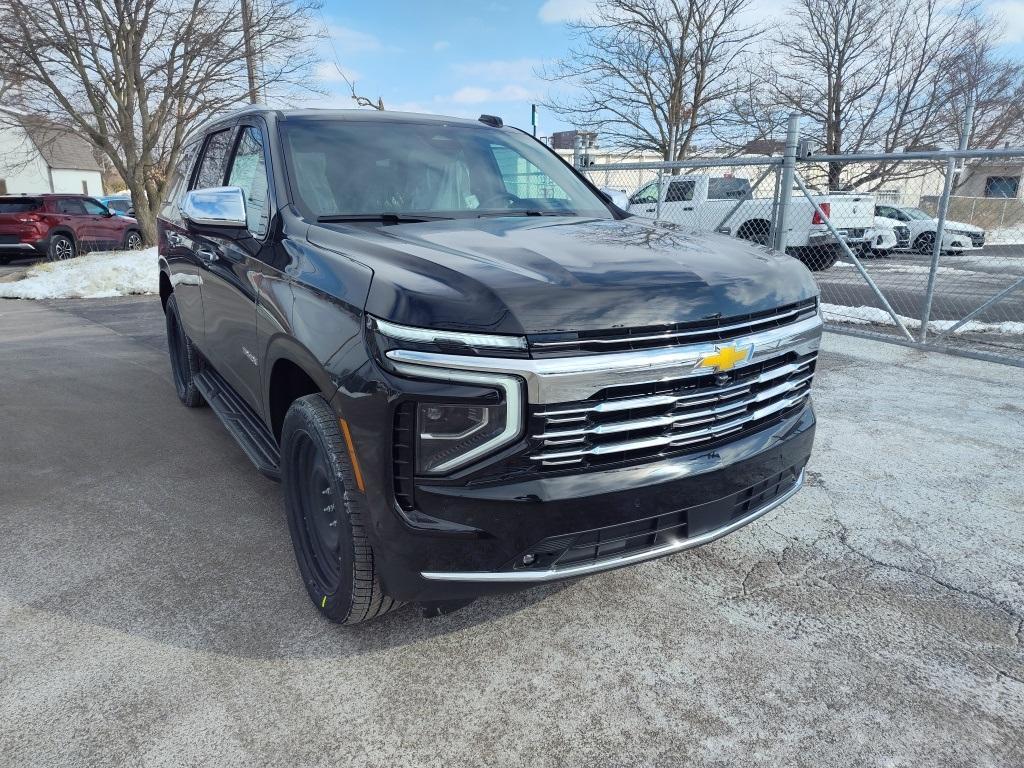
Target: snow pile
{"x":95,"y":276}
{"x":836,"y":313}
{"x":1006,"y":236}
{"x":905,"y":269}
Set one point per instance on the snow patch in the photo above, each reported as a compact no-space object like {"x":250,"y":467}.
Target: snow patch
{"x":836,"y":313}
{"x":94,"y":276}
{"x":1008,"y":236}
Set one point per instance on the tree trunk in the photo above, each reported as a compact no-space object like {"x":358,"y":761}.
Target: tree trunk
{"x":145,"y":209}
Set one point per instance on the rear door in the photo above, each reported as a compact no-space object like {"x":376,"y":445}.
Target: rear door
{"x":235,"y":269}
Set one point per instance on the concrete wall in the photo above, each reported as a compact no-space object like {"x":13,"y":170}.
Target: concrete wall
{"x":20,"y":163}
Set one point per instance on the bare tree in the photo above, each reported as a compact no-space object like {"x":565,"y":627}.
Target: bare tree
{"x":134,"y":76}
{"x":652,"y":74}
{"x":976,"y":73}
{"x":868,"y":74}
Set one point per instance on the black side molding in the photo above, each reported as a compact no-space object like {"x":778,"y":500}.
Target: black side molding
{"x":241,"y":421}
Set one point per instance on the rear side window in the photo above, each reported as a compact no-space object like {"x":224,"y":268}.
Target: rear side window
{"x":680,"y":192}
{"x":20,"y":204}
{"x":249,"y":172}
{"x":215,"y":156}
{"x":71,"y":206}
{"x":728,"y":189}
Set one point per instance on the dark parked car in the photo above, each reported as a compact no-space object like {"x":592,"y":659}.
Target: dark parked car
{"x":61,"y":226}
{"x":471,"y":371}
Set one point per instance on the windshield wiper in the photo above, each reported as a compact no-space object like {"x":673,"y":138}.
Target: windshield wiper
{"x":383,"y":218}
{"x":521,"y":212}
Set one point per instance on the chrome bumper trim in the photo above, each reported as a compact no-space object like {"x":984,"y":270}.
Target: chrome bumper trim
{"x":572,"y":379}
{"x":555,"y":574}
{"x":16,"y":247}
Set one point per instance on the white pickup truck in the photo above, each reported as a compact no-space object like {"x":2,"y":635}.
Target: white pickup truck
{"x":726,"y":204}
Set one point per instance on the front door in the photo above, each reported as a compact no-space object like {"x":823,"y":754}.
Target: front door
{"x":233,"y":269}
{"x":105,"y":228}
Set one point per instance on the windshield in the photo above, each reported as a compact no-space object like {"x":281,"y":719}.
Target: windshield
{"x":917,"y":213}
{"x":371,"y":167}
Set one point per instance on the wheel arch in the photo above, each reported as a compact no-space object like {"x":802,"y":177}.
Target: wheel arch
{"x":292,"y":372}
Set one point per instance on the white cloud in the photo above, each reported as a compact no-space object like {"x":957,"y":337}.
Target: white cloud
{"x":1010,"y":14}
{"x":442,"y":45}
{"x":327,"y":72}
{"x":351,"y":41}
{"x":555,"y":11}
{"x":474,"y":94}
{"x":500,"y":70}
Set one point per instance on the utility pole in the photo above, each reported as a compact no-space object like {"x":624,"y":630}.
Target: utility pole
{"x":533,"y":118}
{"x":250,"y":59}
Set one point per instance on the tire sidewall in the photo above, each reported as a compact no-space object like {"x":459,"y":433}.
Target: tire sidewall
{"x":128,"y":237}
{"x":179,"y":343}
{"x":51,"y":252}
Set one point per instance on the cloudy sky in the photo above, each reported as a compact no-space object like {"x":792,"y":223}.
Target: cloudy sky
{"x":467,"y":57}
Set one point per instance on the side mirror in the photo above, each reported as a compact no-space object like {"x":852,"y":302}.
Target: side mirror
{"x":215,"y":207}
{"x":616,"y":197}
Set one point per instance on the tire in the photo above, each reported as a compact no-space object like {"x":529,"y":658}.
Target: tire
{"x":818,"y":259}
{"x":185,"y":359}
{"x":326,"y":516}
{"x":62,"y":247}
{"x":925,"y":243}
{"x":132,"y":240}
{"x":756,"y":231}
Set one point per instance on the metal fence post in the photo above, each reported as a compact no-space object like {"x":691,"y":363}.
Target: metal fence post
{"x":657,"y":206}
{"x":577,"y":152}
{"x":940,"y":230}
{"x":786,"y":185}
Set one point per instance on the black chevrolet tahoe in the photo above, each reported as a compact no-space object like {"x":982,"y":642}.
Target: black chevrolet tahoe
{"x":470,"y":371}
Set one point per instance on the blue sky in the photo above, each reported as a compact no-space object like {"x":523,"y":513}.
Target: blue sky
{"x":457,"y":57}
{"x":467,"y":57}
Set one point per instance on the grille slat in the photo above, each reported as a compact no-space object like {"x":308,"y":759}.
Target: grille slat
{"x":618,"y":429}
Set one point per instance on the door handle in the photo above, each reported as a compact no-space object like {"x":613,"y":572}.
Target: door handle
{"x":650,"y":210}
{"x":688,"y":208}
{"x":209,"y":255}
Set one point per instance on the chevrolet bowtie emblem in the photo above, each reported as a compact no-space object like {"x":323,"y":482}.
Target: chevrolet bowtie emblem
{"x":726,"y":358}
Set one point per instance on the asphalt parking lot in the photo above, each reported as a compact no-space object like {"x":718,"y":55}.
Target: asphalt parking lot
{"x":151,"y":614}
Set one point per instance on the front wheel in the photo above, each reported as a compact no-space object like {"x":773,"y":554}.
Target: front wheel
{"x":326,"y":516}
{"x":132,"y":241}
{"x":925,"y":244}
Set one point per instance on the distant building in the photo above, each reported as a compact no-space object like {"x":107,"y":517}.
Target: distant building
{"x":37,"y":155}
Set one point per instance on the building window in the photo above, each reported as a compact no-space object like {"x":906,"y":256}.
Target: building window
{"x":1002,"y":186}
{"x":85,"y":187}
{"x":3,"y":186}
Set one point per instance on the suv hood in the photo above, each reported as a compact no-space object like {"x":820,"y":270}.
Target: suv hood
{"x":524,"y":275}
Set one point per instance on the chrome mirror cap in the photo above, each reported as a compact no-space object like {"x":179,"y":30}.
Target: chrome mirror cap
{"x":215,"y":207}
{"x":618,"y":197}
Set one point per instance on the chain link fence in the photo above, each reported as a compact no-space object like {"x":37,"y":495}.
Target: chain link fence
{"x":919,"y":248}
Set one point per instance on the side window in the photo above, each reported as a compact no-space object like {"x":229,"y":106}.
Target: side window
{"x":178,"y":182}
{"x":645,"y":195}
{"x":94,"y":208}
{"x":727,"y":188}
{"x":211,"y":170}
{"x":249,"y":171}
{"x":680,"y":192}
{"x":71,"y":206}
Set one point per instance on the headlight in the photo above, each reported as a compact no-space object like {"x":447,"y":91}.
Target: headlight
{"x":453,"y":435}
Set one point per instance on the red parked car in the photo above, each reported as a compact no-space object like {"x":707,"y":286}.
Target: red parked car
{"x":61,"y":226}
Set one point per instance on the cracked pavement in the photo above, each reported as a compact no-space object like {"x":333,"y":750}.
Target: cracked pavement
{"x":151,"y":615}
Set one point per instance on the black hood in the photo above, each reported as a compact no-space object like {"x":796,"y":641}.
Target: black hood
{"x":525,"y":275}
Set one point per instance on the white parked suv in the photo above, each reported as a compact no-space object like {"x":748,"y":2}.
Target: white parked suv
{"x":726,"y":204}
{"x":923,"y":226}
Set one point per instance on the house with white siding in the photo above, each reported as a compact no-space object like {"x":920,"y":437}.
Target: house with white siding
{"x":37,"y":155}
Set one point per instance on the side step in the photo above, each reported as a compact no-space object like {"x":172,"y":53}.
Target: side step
{"x":241,"y":421}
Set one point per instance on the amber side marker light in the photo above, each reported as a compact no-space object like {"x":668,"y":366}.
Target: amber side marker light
{"x":352,"y":455}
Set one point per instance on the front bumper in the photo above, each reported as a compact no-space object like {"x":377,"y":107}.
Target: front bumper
{"x":478,"y":535}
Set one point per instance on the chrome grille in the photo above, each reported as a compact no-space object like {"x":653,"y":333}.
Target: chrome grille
{"x":666,"y":417}
{"x":711,"y":329}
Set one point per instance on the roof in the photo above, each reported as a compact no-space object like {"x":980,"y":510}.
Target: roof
{"x":59,"y":146}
